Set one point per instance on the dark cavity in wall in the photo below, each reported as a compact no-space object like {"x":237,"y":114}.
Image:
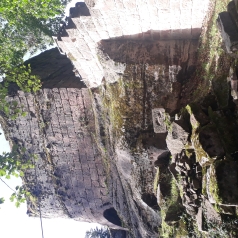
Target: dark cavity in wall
{"x":111,"y":215}
{"x":151,"y":200}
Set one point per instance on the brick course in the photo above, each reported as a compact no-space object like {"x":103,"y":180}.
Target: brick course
{"x":66,"y":169}
{"x":135,"y":19}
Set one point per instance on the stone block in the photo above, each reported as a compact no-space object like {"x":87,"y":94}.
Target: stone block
{"x":158,"y":115}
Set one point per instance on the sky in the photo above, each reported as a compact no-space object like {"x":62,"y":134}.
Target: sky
{"x":15,"y":223}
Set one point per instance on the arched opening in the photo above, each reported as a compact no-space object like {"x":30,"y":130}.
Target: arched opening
{"x":111,"y":215}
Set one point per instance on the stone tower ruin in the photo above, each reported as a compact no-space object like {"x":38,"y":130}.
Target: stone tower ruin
{"x":81,"y":171}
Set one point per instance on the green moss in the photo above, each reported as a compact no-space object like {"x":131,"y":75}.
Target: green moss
{"x":181,"y":230}
{"x":221,"y":91}
{"x":213,"y":186}
{"x":204,"y":181}
{"x":194,"y":123}
{"x":201,"y":154}
{"x":213,"y":62}
{"x":165,"y":230}
{"x":167,"y":122}
{"x":71,"y":57}
{"x":156,"y":181}
{"x":169,"y":203}
{"x":227,"y":127}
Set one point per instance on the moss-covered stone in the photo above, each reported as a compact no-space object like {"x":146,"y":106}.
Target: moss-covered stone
{"x":221,"y":91}
{"x":227,"y":128}
{"x":226,"y":174}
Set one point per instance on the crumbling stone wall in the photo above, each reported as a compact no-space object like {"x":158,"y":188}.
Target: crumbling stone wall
{"x":76,"y":174}
{"x":152,"y":21}
{"x":80,"y":173}
{"x":70,"y":178}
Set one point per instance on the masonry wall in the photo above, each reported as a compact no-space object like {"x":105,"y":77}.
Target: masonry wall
{"x":151,"y":45}
{"x":147,"y":21}
{"x":69,"y":178}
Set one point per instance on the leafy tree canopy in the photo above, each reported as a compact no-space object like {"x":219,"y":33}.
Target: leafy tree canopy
{"x":14,"y":163}
{"x":25,"y":26}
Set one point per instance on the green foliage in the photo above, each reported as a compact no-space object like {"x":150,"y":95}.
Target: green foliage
{"x":98,"y":233}
{"x":226,"y":228}
{"x":30,"y":23}
{"x":19,"y":196}
{"x":212,"y":62}
{"x":14,"y":163}
{"x":2,"y":200}
{"x":25,"y":26}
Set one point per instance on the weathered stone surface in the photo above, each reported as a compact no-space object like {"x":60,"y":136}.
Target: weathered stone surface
{"x":229,"y":31}
{"x":227,"y":181}
{"x":210,"y":214}
{"x":143,"y":22}
{"x":196,"y":183}
{"x":207,"y":215}
{"x":163,"y":160}
{"x":159,"y":157}
{"x":199,"y":116}
{"x":211,"y":183}
{"x":158,"y":115}
{"x":67,"y":163}
{"x":146,"y":62}
{"x":84,"y":172}
{"x":173,"y":214}
{"x":230,"y":210}
{"x":118,"y":234}
{"x":210,"y":141}
{"x":70,"y":170}
{"x":159,"y":195}
{"x":199,"y":219}
{"x":232,"y":9}
{"x":232,"y":78}
{"x":176,"y":138}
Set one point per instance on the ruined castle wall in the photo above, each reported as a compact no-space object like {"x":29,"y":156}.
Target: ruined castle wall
{"x":126,"y":20}
{"x":55,"y":70}
{"x":69,"y":176}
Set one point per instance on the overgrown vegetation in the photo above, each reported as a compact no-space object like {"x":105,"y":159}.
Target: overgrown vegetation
{"x":213,"y":62}
{"x":210,"y":77}
{"x":25,"y":26}
{"x":14,"y":164}
{"x":168,"y":202}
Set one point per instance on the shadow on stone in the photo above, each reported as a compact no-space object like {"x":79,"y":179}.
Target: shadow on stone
{"x":151,"y":200}
{"x":111,"y":215}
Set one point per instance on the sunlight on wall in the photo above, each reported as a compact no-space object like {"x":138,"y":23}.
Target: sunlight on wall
{"x":16,"y":223}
